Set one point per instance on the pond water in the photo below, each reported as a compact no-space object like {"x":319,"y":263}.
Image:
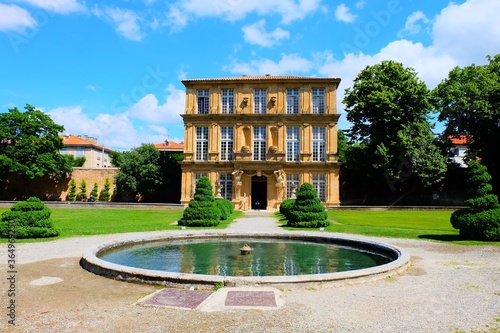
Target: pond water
{"x":220,"y":256}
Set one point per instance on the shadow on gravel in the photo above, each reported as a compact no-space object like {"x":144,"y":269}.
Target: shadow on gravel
{"x":442,"y":238}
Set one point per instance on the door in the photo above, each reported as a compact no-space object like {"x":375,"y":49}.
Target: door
{"x":259,"y":192}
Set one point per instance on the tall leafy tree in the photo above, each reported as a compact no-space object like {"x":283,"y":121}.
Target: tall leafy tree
{"x":140,"y":170}
{"x":389,"y":108}
{"x":469,"y":103}
{"x":30,"y":146}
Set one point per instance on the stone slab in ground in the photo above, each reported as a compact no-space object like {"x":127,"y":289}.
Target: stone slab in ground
{"x":181,"y":298}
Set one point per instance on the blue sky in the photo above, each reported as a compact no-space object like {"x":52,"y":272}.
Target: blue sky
{"x":113,"y":69}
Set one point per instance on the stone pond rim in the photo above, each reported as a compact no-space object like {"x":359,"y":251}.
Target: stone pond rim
{"x":400,"y":260}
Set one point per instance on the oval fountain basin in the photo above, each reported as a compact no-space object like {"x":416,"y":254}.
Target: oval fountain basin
{"x":212,"y":258}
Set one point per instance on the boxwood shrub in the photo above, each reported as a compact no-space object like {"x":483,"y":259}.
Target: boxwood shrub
{"x":474,"y":224}
{"x":226,"y":208}
{"x":307,"y":212}
{"x":27,"y":219}
{"x":202,"y":210}
{"x":286,"y":207}
{"x":481,"y":220}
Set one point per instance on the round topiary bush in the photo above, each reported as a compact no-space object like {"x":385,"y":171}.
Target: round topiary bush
{"x":226,"y":208}
{"x":474,"y":224}
{"x":202,"y":211}
{"x":307,"y":212}
{"x":27,"y":219}
{"x":481,"y":220}
{"x":286,"y":207}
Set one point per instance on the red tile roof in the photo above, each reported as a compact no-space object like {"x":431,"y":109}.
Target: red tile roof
{"x":74,"y":140}
{"x":262,"y":77}
{"x":458,"y":140}
{"x":170,"y":145}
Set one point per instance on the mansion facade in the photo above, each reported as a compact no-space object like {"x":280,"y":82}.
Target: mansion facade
{"x":258,"y":138}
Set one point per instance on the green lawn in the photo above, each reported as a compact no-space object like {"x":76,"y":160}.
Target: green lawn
{"x":432,"y":225}
{"x":83,"y":222}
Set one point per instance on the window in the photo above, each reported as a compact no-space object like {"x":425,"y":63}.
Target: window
{"x":198,"y":175}
{"x":79,"y":152}
{"x":259,"y":100}
{"x":228,"y":101}
{"x":105,"y":157}
{"x":292,"y":144}
{"x":292,"y":182}
{"x":318,"y":141}
{"x":99,"y":155}
{"x":259,"y":143}
{"x":203,"y":101}
{"x":319,"y":184}
{"x":202,"y":143}
{"x":226,"y":181}
{"x":63,"y":151}
{"x":292,"y":101}
{"x":318,"y":101}
{"x":226,"y":143}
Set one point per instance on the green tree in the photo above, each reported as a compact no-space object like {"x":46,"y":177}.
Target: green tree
{"x":106,"y":193}
{"x":342,"y":144}
{"x":83,"y":190}
{"x":202,"y":209}
{"x":95,"y":191}
{"x":140,"y":171}
{"x":72,"y":190}
{"x":30,"y":146}
{"x":389,"y":107}
{"x":78,"y":161}
{"x":468,"y":101}
{"x":307,"y":211}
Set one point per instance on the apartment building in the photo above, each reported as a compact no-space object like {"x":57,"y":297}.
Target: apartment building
{"x":96,"y":155}
{"x":258,"y":138}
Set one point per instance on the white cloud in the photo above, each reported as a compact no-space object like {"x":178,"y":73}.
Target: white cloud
{"x":14,"y":18}
{"x":57,"y":6}
{"x":114,"y":131}
{"x":289,"y":63}
{"x":411,"y":26}
{"x":360,"y":4}
{"x":91,"y":87}
{"x":342,"y":14}
{"x":149,"y":109}
{"x":469,"y":31}
{"x":182,"y":11}
{"x":257,"y":34}
{"x":126,"y":21}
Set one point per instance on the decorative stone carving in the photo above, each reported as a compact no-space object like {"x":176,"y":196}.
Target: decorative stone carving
{"x":280,"y":182}
{"x":237,"y":173}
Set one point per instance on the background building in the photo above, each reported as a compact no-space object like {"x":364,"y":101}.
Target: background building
{"x":96,"y":156}
{"x":258,"y":138}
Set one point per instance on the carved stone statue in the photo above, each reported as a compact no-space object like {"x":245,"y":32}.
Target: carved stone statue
{"x":237,"y":173}
{"x":280,"y":182}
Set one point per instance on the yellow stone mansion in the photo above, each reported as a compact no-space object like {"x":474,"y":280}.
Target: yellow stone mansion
{"x":258,"y":138}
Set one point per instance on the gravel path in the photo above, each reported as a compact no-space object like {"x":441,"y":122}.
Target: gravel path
{"x":448,"y":288}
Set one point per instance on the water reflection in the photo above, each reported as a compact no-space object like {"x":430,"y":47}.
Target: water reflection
{"x":222,"y":257}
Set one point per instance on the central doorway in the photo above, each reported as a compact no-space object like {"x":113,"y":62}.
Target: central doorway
{"x":259,"y":192}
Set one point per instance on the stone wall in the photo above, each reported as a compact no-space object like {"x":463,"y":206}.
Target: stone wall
{"x":48,"y":189}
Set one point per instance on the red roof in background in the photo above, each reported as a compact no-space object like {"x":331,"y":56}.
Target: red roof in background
{"x":458,"y":140}
{"x":75,"y":140}
{"x":170,"y":145}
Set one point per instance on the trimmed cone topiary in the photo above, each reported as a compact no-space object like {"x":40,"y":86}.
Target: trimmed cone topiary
{"x":307,"y":212}
{"x":481,"y":220}
{"x":27,"y":219}
{"x":202,"y":210}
